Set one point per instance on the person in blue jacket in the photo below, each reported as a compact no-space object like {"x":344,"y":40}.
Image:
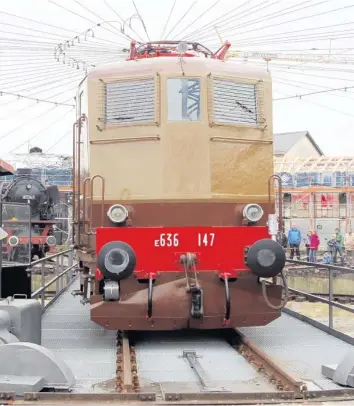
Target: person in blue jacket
{"x":294,"y":240}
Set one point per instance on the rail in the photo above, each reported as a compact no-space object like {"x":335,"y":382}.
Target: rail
{"x":330,"y":301}
{"x":63,"y":276}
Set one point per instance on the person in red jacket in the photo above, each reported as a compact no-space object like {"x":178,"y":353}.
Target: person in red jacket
{"x":314,"y":244}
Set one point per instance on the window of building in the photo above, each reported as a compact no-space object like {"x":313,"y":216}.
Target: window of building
{"x":234,"y":103}
{"x":130,"y":101}
{"x":183,"y":99}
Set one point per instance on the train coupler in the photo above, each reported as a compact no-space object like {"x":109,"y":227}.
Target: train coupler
{"x":197,"y":310}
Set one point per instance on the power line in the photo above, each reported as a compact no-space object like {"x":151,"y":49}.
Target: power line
{"x":325,"y":107}
{"x":199,"y":17}
{"x":141,"y":20}
{"x":274,"y":36}
{"x":39,"y":132}
{"x":240,"y":16}
{"x":299,"y":96}
{"x":20,"y":96}
{"x":296,"y":19}
{"x":207,"y":26}
{"x":123,"y":21}
{"x":273,"y":15}
{"x":87,"y":19}
{"x":190,"y":8}
{"x":168,"y":19}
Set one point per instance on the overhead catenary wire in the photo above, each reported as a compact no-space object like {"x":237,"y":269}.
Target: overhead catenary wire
{"x":142,"y":20}
{"x":123,"y":21}
{"x":41,"y":131}
{"x":276,"y":35}
{"x":119,"y":32}
{"x":238,"y":16}
{"x":294,"y":20}
{"x":168,"y":19}
{"x":60,"y":36}
{"x":320,"y":105}
{"x":36,"y":99}
{"x":269,"y":16}
{"x":215,"y":21}
{"x":63,"y":103}
{"x":299,"y":96}
{"x":184,"y":15}
{"x":198,"y":18}
{"x":87,"y":19}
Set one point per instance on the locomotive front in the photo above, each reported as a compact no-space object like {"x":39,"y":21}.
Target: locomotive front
{"x":36,"y":225}
{"x":173,"y":157}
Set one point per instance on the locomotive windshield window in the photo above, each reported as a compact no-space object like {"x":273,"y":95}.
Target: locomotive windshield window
{"x":234,"y":102}
{"x":183,"y":99}
{"x":130,"y":101}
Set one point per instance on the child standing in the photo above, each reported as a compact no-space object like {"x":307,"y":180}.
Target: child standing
{"x":314,"y":244}
{"x":307,"y":241}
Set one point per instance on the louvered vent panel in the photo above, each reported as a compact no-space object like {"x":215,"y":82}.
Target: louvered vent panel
{"x":234,"y":102}
{"x":130,"y":101}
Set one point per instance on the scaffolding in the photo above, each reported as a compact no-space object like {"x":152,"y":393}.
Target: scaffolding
{"x":318,"y":193}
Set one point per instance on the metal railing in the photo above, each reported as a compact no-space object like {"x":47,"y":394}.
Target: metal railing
{"x":330,"y":301}
{"x":63,"y":276}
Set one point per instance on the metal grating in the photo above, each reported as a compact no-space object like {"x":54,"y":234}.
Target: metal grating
{"x":234,"y":102}
{"x":88,"y":349}
{"x":300,"y":348}
{"x":130,"y":101}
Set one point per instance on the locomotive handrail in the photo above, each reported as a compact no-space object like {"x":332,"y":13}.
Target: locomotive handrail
{"x":77,"y":179}
{"x":74,"y":178}
{"x":280,"y":194}
{"x":87,"y":180}
{"x":102,"y":200}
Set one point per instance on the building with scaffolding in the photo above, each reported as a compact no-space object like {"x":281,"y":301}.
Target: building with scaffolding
{"x":318,"y":192}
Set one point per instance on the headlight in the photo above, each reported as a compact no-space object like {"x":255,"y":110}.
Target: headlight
{"x":13,"y":241}
{"x":51,"y":240}
{"x":117,"y":214}
{"x":253,"y":212}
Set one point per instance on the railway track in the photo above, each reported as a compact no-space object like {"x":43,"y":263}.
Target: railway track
{"x":260,"y":376}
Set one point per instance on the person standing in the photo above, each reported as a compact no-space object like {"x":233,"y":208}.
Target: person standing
{"x":294,"y":240}
{"x":339,"y":247}
{"x":314,"y":244}
{"x":307,"y":241}
{"x":349,"y":245}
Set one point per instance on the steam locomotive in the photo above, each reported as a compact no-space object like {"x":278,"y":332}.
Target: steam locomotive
{"x":24,"y":226}
{"x":175,"y":208}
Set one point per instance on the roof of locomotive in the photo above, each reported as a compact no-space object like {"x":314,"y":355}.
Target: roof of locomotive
{"x":191,"y":66}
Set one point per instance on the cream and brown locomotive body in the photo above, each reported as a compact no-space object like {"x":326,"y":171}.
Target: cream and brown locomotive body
{"x":173,"y":154}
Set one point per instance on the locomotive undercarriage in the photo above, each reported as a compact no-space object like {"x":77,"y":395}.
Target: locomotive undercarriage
{"x":167,"y":302}
{"x":177,"y":300}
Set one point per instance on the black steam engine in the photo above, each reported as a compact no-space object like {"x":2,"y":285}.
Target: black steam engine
{"x":33,"y":223}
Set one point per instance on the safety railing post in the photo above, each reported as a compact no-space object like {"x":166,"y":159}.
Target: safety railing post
{"x":42,"y":284}
{"x":61,"y":268}
{"x":70,"y":263}
{"x":330,"y":297}
{"x":57,"y":272}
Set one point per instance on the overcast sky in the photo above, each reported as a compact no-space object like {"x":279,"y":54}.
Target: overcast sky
{"x":28,"y":66}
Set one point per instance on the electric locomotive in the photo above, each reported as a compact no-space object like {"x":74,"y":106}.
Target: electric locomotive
{"x":174,"y":204}
{"x":24,"y":188}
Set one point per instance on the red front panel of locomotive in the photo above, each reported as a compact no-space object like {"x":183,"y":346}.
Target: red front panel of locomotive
{"x":158,"y":249}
